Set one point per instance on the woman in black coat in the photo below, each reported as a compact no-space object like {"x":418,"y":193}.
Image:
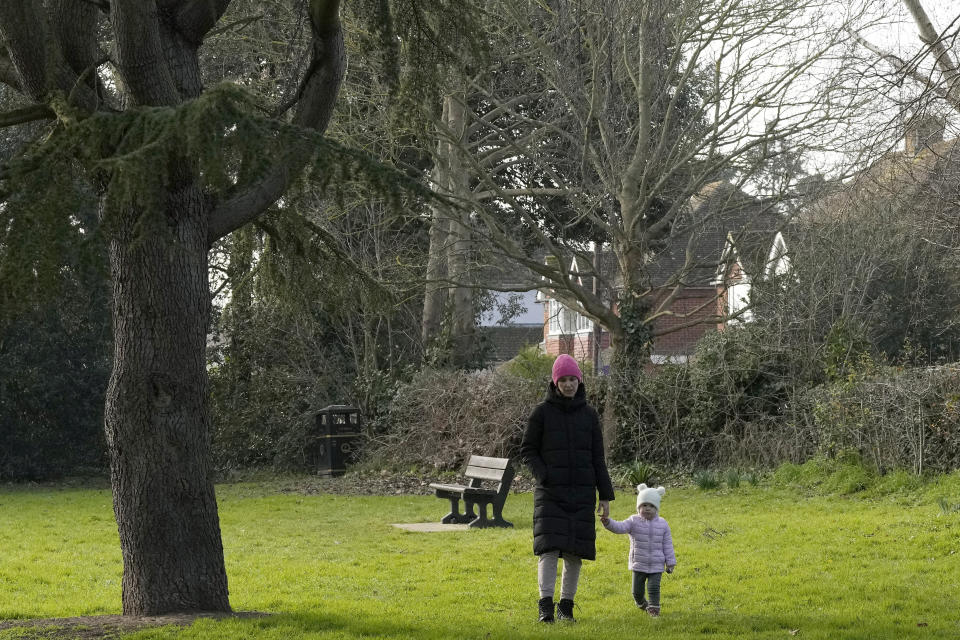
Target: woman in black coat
{"x":563,"y":448}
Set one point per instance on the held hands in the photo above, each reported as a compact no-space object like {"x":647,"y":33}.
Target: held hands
{"x":603,"y":510}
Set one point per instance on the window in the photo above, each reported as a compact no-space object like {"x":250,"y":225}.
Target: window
{"x":564,"y":320}
{"x":738,"y":297}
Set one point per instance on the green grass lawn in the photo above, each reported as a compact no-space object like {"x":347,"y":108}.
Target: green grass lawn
{"x":753,"y":562}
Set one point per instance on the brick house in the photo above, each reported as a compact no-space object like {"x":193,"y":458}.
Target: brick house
{"x":734,"y":239}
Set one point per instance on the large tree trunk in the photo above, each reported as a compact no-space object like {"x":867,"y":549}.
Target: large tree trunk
{"x":157,"y":415}
{"x":450,"y":242}
{"x":459,"y":244}
{"x":435,"y":292}
{"x":462,"y":319}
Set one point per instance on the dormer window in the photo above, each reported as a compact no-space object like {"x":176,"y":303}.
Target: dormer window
{"x":567,"y":321}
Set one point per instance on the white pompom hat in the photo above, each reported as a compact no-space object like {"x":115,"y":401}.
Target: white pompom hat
{"x":649,"y":495}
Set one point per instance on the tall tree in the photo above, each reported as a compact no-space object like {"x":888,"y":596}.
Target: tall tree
{"x":606,"y":120}
{"x":148,"y":100}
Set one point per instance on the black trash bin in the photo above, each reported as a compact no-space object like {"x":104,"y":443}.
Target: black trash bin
{"x":338,"y":439}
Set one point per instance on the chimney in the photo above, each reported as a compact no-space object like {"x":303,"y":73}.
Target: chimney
{"x":923,"y":132}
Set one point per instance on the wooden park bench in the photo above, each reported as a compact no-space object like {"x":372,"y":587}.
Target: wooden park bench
{"x":479,"y":469}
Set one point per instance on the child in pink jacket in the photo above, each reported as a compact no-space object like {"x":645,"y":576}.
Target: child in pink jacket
{"x":651,"y":547}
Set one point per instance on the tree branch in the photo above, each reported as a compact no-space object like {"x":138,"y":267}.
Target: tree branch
{"x":315,"y":108}
{"x":74,"y":26}
{"x":900,"y":65}
{"x":103,"y":5}
{"x":932,"y":39}
{"x":532,"y":192}
{"x":196,"y":18}
{"x":242,"y":22}
{"x":26,"y":114}
{"x":8,"y":75}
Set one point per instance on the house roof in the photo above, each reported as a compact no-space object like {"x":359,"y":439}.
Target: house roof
{"x":719,"y":214}
{"x":506,"y":342}
{"x":924,"y":183}
{"x":928,"y":180}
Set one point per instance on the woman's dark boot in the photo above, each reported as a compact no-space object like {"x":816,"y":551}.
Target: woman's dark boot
{"x":546,"y":609}
{"x":565,"y":610}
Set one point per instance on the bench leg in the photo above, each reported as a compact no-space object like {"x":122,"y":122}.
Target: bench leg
{"x":498,"y":520}
{"x":481,"y":521}
{"x":455,"y":517}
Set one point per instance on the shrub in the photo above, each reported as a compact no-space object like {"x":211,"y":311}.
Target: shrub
{"x":531,"y":364}
{"x":636,"y":472}
{"x":848,"y":478}
{"x":54,"y":368}
{"x":894,"y":418}
{"x":440,"y":417}
{"x":896,"y":482}
{"x":706,"y":480}
{"x":732,"y":478}
{"x":726,"y":407}
{"x":841,"y":475}
{"x":787,"y":474}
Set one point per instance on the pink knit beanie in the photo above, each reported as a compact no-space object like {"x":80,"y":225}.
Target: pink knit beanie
{"x":565,"y":365}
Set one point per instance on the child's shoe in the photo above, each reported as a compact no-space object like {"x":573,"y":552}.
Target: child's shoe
{"x":653,"y":611}
{"x":643,"y":604}
{"x":565,"y":610}
{"x":545,"y":606}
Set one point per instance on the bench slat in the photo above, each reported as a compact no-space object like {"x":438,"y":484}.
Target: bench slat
{"x":483,"y":473}
{"x":465,"y":491}
{"x":490,"y":463}
{"x":447,"y":487}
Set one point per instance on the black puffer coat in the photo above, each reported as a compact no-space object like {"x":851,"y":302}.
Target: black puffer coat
{"x":563,"y":448}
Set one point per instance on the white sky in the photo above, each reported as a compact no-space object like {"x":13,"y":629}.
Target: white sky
{"x":901,"y":34}
{"x":896,"y":32}
{"x":893,"y":29}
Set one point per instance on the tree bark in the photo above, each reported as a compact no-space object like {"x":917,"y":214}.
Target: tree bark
{"x":450,"y":241}
{"x":459,"y":241}
{"x":157,"y":416}
{"x":435,"y":292}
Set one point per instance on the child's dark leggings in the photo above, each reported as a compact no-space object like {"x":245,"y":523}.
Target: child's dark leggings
{"x":653,"y":588}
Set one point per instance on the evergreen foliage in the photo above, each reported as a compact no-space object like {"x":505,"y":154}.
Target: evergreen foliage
{"x":55,"y":348}
{"x":136,"y":154}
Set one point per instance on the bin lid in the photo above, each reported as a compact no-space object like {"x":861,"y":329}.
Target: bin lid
{"x":340,"y":408}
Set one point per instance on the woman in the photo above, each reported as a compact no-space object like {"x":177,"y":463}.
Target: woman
{"x":563,"y":448}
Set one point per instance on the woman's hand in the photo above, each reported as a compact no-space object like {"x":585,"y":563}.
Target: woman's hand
{"x":603,"y":509}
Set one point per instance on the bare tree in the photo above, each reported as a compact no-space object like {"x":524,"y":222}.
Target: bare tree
{"x":942,"y":81}
{"x":905,"y":89}
{"x":605,"y":121}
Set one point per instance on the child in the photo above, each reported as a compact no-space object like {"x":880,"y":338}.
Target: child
{"x":563,"y":447}
{"x":651,"y":546}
